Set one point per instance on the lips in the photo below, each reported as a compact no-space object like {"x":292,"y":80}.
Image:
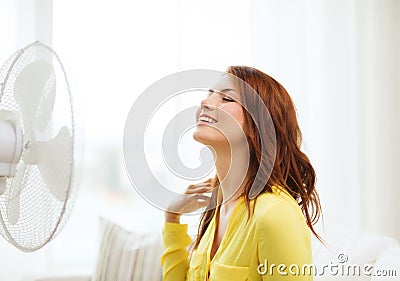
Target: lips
{"x":206,"y":118}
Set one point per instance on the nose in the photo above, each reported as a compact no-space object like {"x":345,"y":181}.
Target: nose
{"x":208,"y":104}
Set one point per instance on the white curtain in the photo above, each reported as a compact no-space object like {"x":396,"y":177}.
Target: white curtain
{"x":378,"y":89}
{"x":22,"y":22}
{"x":340,"y":61}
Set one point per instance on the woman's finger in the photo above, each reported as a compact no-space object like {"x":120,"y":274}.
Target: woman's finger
{"x":201,"y":189}
{"x":199,"y":184}
{"x":194,"y":187}
{"x":207,"y":182}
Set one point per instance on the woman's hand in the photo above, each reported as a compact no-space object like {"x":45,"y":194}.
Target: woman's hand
{"x":194,"y":200}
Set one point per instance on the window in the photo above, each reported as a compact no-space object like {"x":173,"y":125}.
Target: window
{"x":112,"y":52}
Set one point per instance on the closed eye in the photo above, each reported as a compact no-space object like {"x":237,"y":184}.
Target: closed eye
{"x":227,"y":99}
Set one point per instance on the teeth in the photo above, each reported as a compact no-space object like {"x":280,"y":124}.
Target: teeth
{"x":207,"y":119}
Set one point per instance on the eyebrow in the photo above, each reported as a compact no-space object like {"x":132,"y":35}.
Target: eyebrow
{"x":220,"y":91}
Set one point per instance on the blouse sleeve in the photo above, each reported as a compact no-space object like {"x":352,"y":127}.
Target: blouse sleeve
{"x":174,"y":260}
{"x":284,"y":246}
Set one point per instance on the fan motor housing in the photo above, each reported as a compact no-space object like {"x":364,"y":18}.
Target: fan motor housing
{"x":10,"y":143}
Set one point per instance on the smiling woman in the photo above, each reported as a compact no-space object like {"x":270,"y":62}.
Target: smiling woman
{"x":263,"y":202}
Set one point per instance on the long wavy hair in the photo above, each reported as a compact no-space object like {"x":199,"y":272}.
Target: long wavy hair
{"x":291,"y":168}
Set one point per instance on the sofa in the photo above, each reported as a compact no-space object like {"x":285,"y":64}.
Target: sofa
{"x":348,"y":255}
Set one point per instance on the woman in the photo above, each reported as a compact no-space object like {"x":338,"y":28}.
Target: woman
{"x":257,"y":223}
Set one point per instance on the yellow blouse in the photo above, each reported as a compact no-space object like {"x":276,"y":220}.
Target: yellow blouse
{"x":273,"y":245}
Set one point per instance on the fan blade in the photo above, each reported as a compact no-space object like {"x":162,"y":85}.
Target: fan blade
{"x":34,"y":91}
{"x":55,"y":162}
{"x":13,"y":198}
{"x":46,"y":105}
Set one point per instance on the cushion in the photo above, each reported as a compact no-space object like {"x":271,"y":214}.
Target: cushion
{"x":349,"y":248}
{"x":126,"y":255}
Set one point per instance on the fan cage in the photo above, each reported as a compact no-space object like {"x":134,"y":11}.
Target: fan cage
{"x":41,"y":216}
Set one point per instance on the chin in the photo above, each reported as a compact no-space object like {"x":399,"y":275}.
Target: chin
{"x":208,"y":136}
{"x":202,"y":138}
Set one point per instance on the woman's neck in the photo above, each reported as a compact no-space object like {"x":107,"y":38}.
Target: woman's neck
{"x":232,"y":164}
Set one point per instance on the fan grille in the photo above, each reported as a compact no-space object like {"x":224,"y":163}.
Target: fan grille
{"x":41,"y":216}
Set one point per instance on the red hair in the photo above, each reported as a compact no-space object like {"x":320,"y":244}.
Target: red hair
{"x":290,"y":168}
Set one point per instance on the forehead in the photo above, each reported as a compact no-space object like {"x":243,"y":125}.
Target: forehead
{"x":226,"y":84}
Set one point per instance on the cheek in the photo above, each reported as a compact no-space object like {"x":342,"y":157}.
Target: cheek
{"x":235,"y":112}
{"x":232,"y":125}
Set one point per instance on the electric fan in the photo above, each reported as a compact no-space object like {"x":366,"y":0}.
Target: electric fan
{"x":37,"y":148}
